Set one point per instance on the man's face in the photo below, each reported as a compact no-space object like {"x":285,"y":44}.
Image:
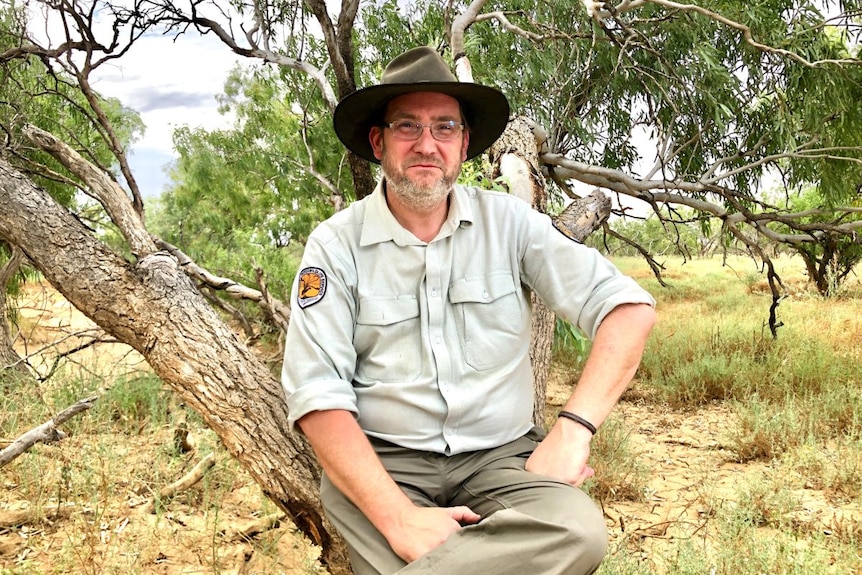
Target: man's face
{"x":421,"y":171}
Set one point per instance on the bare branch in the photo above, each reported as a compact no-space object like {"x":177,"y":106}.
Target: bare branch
{"x":336,"y":197}
{"x":183,"y":483}
{"x":339,"y":44}
{"x":506,"y":24}
{"x":236,"y":314}
{"x":653,"y":264}
{"x":109,"y":193}
{"x":47,"y":432}
{"x":271,"y":57}
{"x":278,"y":310}
{"x":21,"y":52}
{"x":69,"y":352}
{"x":460,"y":25}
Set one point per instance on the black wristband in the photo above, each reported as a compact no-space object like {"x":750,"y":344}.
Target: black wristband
{"x":579,"y":419}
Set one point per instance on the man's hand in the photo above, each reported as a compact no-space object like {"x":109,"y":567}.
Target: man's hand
{"x":613,"y":360}
{"x":563,"y":453}
{"x":421,"y":529}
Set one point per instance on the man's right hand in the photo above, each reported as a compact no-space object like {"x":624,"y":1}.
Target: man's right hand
{"x":348,"y":458}
{"x":421,"y":529}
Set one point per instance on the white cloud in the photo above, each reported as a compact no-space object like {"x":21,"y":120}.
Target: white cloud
{"x":170,"y":84}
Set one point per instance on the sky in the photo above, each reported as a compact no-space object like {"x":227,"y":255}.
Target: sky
{"x":170,"y":84}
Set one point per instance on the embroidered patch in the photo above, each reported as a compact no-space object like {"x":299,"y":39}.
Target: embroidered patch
{"x":311,"y":288}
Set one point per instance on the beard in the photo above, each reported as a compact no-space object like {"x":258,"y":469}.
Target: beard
{"x":420,"y":197}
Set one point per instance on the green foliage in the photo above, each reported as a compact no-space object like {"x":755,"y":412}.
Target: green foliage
{"x":135,"y":401}
{"x":832,"y":256}
{"x":129,"y":403}
{"x":674,"y":76}
{"x":689,"y":79}
{"x":388,"y":28}
{"x":242,"y":197}
{"x":570,"y":343}
{"x":54,"y":103}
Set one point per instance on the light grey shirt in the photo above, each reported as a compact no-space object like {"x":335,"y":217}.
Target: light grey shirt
{"x":427,"y":343}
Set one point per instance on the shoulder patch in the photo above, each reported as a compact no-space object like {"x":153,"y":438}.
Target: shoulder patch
{"x":311,"y":287}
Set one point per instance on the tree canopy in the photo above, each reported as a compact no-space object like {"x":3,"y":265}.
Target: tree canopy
{"x":710,"y":109}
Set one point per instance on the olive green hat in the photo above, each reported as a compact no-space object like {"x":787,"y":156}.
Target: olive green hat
{"x":486,"y":109}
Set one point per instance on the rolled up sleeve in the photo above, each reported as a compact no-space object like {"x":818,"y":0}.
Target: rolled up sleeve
{"x":319,"y":356}
{"x":574,"y":280}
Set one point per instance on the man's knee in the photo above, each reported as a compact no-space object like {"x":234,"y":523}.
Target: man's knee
{"x":588,"y":537}
{"x":585,"y":532}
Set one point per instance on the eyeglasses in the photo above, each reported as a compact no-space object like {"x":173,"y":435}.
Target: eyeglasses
{"x":442,"y":131}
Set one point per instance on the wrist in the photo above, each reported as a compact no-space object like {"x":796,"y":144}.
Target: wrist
{"x":393,"y":520}
{"x":577,"y":420}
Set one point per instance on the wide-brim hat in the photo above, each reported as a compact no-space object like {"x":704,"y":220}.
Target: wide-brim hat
{"x":485,"y":109}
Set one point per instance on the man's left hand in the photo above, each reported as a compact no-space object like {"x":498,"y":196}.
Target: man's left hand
{"x":563,"y":454}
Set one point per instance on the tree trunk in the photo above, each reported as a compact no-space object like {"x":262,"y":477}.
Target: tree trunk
{"x":153,"y":306}
{"x":515,"y":157}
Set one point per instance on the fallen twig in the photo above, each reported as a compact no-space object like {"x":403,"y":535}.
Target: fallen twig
{"x":13,"y":519}
{"x":46,"y":433}
{"x":189,"y":479}
{"x":254,"y":528}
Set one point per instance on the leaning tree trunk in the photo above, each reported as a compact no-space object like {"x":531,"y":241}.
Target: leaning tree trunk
{"x":153,"y":306}
{"x":515,"y":156}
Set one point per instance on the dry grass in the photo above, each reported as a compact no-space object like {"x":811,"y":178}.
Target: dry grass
{"x":731,"y":452}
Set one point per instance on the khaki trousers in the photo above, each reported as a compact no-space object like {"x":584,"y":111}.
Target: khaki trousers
{"x":531,"y":524}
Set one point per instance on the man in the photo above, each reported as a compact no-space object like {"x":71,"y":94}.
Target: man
{"x":407,"y":353}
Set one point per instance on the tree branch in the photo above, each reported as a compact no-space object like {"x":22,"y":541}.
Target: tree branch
{"x":47,"y":432}
{"x":183,"y":483}
{"x":276,"y":308}
{"x":500,"y":17}
{"x":109,"y":193}
{"x":312,"y":72}
{"x":746,"y":33}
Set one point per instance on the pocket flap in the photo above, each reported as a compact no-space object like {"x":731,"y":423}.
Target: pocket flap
{"x":481,"y":290}
{"x":386,"y":311}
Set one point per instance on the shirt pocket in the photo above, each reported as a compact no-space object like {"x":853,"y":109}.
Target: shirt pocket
{"x":387,"y":339}
{"x":489,"y":318}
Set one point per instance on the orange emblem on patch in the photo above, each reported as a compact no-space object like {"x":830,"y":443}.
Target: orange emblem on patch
{"x":311,"y":286}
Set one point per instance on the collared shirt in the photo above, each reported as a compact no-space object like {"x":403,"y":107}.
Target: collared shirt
{"x":427,"y":343}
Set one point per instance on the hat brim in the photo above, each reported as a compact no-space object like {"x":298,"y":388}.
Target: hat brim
{"x":486,"y":110}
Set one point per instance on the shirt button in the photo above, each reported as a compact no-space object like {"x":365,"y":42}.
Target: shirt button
{"x":485,"y":295}
{"x":434,"y":292}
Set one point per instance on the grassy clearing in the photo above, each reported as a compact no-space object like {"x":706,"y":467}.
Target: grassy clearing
{"x":806,"y":385}
{"x":77,"y":506}
{"x":795,"y":420}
